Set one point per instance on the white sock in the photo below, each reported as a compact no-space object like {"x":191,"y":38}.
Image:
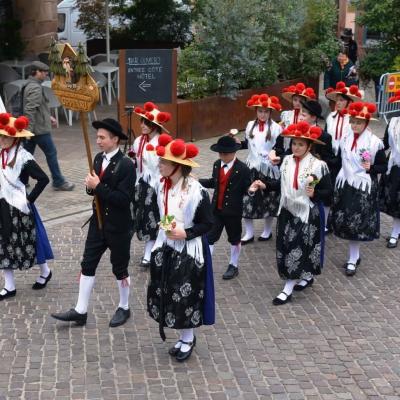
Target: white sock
{"x":248,"y":224}
{"x":187,"y":335}
{"x":288,"y":289}
{"x":326,"y":211}
{"x":304,"y":282}
{"x":235,"y":253}
{"x":86,"y":284}
{"x":9,"y":281}
{"x":211,"y":246}
{"x":123,"y":286}
{"x":395,"y":231}
{"x":44,"y":271}
{"x":354,"y":251}
{"x":267,"y":227}
{"x":147,"y":250}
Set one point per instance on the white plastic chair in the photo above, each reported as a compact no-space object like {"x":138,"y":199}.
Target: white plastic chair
{"x":101,"y":81}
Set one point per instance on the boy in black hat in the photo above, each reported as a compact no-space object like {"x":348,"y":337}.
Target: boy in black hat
{"x":230,"y":181}
{"x":112,"y":181}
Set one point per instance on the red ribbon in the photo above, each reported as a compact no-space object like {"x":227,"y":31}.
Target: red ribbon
{"x":4,"y":157}
{"x":296,"y":115}
{"x":339,"y":122}
{"x":143,"y":140}
{"x":261,"y":125}
{"x":167,"y":185}
{"x":296,"y":173}
{"x":354,"y":145}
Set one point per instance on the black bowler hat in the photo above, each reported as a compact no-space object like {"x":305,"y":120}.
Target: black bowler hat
{"x":347,"y":33}
{"x":313,"y":107}
{"x":111,"y":125}
{"x":226,"y":144}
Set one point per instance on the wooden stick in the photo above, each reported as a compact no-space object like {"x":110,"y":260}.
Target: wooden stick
{"x":83,"y":116}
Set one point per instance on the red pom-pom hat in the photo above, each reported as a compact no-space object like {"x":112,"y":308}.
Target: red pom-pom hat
{"x":176,"y":150}
{"x":299,"y":89}
{"x":395,"y":98}
{"x":352,"y":92}
{"x":303,"y":130}
{"x":264,"y":101}
{"x":14,"y":127}
{"x":361,"y":110}
{"x":151,"y":112}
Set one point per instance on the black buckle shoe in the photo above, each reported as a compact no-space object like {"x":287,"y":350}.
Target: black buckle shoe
{"x":9,"y":293}
{"x":278,"y":302}
{"x":184,"y":355}
{"x":120,"y":317}
{"x":38,"y":285}
{"x":71,"y":316}
{"x":299,"y":288}
{"x":231,"y":272}
{"x":244,"y":242}
{"x":173,"y":351}
{"x":351,"y":271}
{"x":265,"y":239}
{"x":144,"y":263}
{"x":391,"y":245}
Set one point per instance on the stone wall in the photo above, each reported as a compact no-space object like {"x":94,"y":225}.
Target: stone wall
{"x":39,"y":23}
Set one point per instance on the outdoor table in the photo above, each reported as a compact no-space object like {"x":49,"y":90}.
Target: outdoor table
{"x":108,"y":69}
{"x":113,"y":57}
{"x":21,"y":65}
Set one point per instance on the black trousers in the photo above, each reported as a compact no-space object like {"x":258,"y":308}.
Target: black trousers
{"x":98,"y":242}
{"x":232,"y":225}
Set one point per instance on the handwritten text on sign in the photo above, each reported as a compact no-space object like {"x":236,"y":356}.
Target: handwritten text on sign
{"x":149,"y":75}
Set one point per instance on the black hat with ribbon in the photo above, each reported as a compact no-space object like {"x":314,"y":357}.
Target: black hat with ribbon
{"x":226,"y":144}
{"x":313,"y":107}
{"x":111,"y":125}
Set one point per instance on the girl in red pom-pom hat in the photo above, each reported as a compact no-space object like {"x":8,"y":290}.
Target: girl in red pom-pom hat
{"x":152,"y":122}
{"x":23,"y":238}
{"x":260,"y":137}
{"x":390,"y":182}
{"x":355,"y":211}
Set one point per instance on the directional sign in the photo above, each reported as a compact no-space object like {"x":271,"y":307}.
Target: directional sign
{"x":148,"y":75}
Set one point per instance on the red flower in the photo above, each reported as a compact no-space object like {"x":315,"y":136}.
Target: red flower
{"x":340,"y":85}
{"x":353,"y":89}
{"x":264,"y":104}
{"x":263,"y":97}
{"x":250,"y":103}
{"x":303,"y":126}
{"x":358,"y":106}
{"x":371,"y":108}
{"x":191,"y":150}
{"x":149,"y":106}
{"x":149,"y":147}
{"x":362,"y":115}
{"x":149,"y":116}
{"x":353,"y":113}
{"x":315,"y":132}
{"x":284,"y":90}
{"x":300,"y":86}
{"x":291,"y":128}
{"x":329,"y":90}
{"x":11,"y":130}
{"x":163,"y":117}
{"x":274,"y":99}
{"x":298,"y":133}
{"x":164,"y":139}
{"x":309,"y":92}
{"x":5,"y":118}
{"x":139,"y":110}
{"x":160,"y":150}
{"x":344,"y":111}
{"x":20,"y":123}
{"x":367,"y":115}
{"x":344,"y":91}
{"x":255,"y":98}
{"x":178,"y":147}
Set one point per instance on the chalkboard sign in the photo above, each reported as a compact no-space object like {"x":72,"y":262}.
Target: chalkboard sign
{"x":148,"y":75}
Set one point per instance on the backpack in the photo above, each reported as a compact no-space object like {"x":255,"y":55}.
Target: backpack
{"x":16,"y":103}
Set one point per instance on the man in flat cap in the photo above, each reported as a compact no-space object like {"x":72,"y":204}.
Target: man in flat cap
{"x":36,"y":108}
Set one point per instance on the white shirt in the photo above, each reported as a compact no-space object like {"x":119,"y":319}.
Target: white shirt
{"x":2,"y":108}
{"x":229,"y":165}
{"x":107,"y":158}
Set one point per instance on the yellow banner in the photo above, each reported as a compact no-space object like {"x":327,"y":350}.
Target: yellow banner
{"x":393,"y":83}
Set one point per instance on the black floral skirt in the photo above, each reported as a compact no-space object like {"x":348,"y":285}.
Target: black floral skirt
{"x":175,"y":294}
{"x":355,"y":213}
{"x":17,"y":239}
{"x":147,"y":215}
{"x":299,"y":245}
{"x":263,"y":204}
{"x":389,"y":192}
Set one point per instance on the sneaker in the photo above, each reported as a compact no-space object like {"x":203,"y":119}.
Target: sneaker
{"x":65,"y":187}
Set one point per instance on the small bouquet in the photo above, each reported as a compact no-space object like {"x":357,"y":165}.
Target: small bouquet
{"x":167,"y":223}
{"x":365,"y":155}
{"x":312,"y":180}
{"x":233,"y":132}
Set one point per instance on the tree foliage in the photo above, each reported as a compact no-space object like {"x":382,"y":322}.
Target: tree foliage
{"x":92,"y":18}
{"x":380,"y":16}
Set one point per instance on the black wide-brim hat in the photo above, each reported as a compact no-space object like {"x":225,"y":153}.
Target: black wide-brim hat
{"x":226,"y":144}
{"x":111,"y":125}
{"x":313,"y":107}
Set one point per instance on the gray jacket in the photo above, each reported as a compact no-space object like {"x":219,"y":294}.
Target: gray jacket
{"x":36,"y":107}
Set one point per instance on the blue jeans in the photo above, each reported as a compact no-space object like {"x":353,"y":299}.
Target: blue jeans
{"x":46,"y":144}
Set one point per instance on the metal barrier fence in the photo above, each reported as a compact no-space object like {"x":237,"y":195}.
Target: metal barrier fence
{"x":388,"y":85}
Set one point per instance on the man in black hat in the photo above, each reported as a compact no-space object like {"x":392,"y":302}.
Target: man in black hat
{"x":350,"y":44}
{"x":230,"y":181}
{"x":112,"y":181}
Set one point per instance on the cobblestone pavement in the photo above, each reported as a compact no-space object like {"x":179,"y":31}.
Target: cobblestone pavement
{"x":337,"y":340}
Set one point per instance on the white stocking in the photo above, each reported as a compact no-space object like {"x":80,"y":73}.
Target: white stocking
{"x":211,"y":246}
{"x":123,"y":287}
{"x":267,"y":227}
{"x":354,"y":251}
{"x":248,"y":224}
{"x":44,"y":272}
{"x":147,"y":250}
{"x":9,"y":282}
{"x":326,"y":212}
{"x":187,"y":335}
{"x":288,"y":289}
{"x":395,"y":231}
{"x":235,"y":253}
{"x":86,"y":284}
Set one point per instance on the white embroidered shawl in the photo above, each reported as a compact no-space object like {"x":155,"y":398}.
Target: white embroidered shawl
{"x":394,"y":143}
{"x":297,"y":201}
{"x":150,"y":172}
{"x":331,"y":122}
